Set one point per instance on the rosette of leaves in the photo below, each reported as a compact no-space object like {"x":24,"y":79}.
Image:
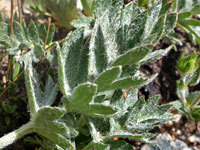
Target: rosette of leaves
{"x":93,"y":72}
{"x":121,"y":40}
{"x":188,"y":66}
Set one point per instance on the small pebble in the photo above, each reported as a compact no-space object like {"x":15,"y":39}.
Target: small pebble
{"x":178,"y":132}
{"x":192,"y":138}
{"x":169,"y":123}
{"x":173,"y":129}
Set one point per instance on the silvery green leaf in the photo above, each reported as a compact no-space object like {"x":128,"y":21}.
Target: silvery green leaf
{"x":195,"y":78}
{"x":193,"y":99}
{"x":124,"y":103}
{"x":5,"y":40}
{"x":101,"y":6}
{"x":136,"y":29}
{"x":50,"y":91}
{"x":56,"y":138}
{"x":98,"y":57}
{"x":107,"y":77}
{"x":165,"y":8}
{"x":36,"y":98}
{"x":4,"y":28}
{"x":45,"y":122}
{"x":145,"y":115}
{"x":170,"y":23}
{"x":82,"y":21}
{"x":42,"y":31}
{"x":81,"y":102}
{"x":32,"y":87}
{"x":36,"y":53}
{"x":96,"y":146}
{"x":155,"y":55}
{"x":174,"y":37}
{"x":50,"y":113}
{"x":159,"y":28}
{"x":52,"y":56}
{"x":33,"y":33}
{"x":129,"y":57}
{"x":119,"y":145}
{"x":130,"y":70}
{"x":152,"y":19}
{"x":19,"y":33}
{"x":125,"y":25}
{"x":128,"y":82}
{"x":102,"y":45}
{"x":72,"y":62}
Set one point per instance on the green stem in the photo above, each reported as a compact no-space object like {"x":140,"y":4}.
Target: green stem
{"x":15,"y":135}
{"x":183,"y":98}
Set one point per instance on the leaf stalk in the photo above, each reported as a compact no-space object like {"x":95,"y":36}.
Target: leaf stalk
{"x":15,"y":135}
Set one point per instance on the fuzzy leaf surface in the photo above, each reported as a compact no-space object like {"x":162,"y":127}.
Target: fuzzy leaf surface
{"x":81,"y":102}
{"x":130,"y":57}
{"x":145,"y":115}
{"x":72,"y":62}
{"x":119,"y":145}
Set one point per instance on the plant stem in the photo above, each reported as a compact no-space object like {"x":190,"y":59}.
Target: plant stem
{"x":11,"y":18}
{"x":15,"y":135}
{"x":47,"y":34}
{"x":19,"y":11}
{"x":50,"y":48}
{"x":183,"y":98}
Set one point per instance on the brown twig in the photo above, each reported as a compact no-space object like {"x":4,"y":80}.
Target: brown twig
{"x":47,"y":34}
{"x":12,"y":18}
{"x":50,"y":48}
{"x":177,"y":137}
{"x":19,"y":11}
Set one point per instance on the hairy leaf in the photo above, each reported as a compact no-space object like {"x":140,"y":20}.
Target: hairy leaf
{"x":119,"y":145}
{"x":33,"y":33}
{"x":107,"y":77}
{"x":82,"y":102}
{"x":129,"y":57}
{"x":32,"y":86}
{"x":145,"y":115}
{"x":72,"y":62}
